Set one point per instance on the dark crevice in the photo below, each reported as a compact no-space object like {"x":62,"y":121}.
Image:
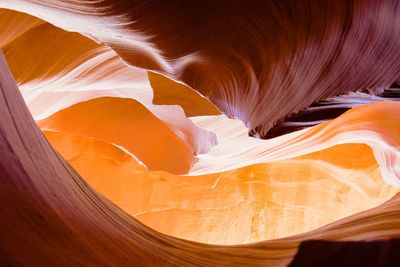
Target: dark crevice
{"x":325,"y":110}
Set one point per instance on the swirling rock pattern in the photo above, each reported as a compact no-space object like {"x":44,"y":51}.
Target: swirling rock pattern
{"x":277,"y":57}
{"x":156,"y":106}
{"x":62,"y":221}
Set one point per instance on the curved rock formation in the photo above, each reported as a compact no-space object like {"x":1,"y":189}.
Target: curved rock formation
{"x":329,"y":109}
{"x":128,"y":133}
{"x":62,"y":221}
{"x":277,"y":57}
{"x":129,"y":124}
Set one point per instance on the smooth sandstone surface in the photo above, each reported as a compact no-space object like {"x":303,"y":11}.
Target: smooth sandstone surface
{"x":129,"y":132}
{"x":262,"y":62}
{"x":63,"y":221}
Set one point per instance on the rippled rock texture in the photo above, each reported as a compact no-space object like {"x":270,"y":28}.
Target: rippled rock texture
{"x":259,"y":129}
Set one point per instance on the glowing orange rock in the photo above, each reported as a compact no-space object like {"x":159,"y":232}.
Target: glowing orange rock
{"x":126,"y":131}
{"x":254,"y":203}
{"x":137,"y":130}
{"x":168,"y":92}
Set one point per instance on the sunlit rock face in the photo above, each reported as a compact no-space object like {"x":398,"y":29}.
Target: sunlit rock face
{"x":225,"y":123}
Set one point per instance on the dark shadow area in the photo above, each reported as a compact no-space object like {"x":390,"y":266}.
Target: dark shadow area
{"x":329,"y":253}
{"x":329,"y":109}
